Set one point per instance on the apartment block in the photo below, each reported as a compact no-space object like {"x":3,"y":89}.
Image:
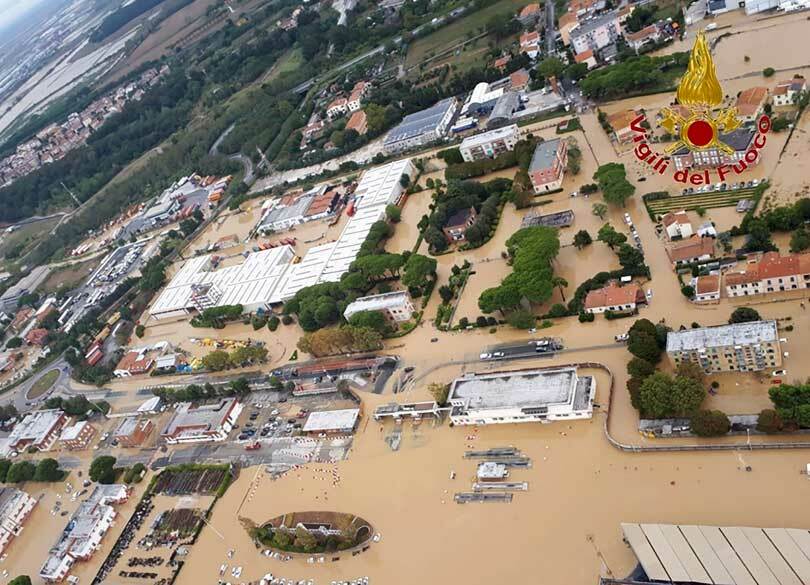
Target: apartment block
{"x":773,"y":273}
{"x":489,"y":144}
{"x":740,"y":347}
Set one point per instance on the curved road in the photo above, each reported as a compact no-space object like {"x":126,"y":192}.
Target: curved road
{"x":243,"y":160}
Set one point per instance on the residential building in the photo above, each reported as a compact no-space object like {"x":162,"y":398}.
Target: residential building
{"x":39,"y":429}
{"x":596,"y":33}
{"x":501,"y":62}
{"x":530,"y":14}
{"x":547,"y":167}
{"x":677,"y":225}
{"x":197,"y":423}
{"x":37,"y":337}
{"x":530,"y":44}
{"x":586,"y":57}
{"x":625,"y":12}
{"x":135,"y":363}
{"x":489,"y":144}
{"x":614,"y":298}
{"x":15,"y":507}
{"x":740,"y":140}
{"x":255,"y":283}
{"x":76,"y":436}
{"x":359,"y":91}
{"x":707,"y":288}
{"x":637,"y":40}
{"x":458,"y":223}
{"x":357,"y":122}
{"x":519,"y":80}
{"x":785,"y":93}
{"x":542,"y":395}
{"x":395,"y":306}
{"x":751,"y":103}
{"x":337,"y":108}
{"x":566,"y":25}
{"x":83,"y":534}
{"x":772,"y":273}
{"x":332,"y":422}
{"x":421,"y":128}
{"x":132,"y":432}
{"x":739,"y":347}
{"x":620,"y":122}
{"x":586,"y":7}
{"x":694,"y":249}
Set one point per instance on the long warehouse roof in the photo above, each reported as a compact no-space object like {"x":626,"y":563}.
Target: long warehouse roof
{"x":721,"y":555}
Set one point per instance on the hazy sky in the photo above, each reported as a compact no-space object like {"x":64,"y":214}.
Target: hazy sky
{"x":11,"y":10}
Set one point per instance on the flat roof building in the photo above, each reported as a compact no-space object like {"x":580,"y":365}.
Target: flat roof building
{"x":332,"y":421}
{"x":489,"y":144}
{"x":542,"y":395}
{"x":727,"y":555}
{"x":547,"y":167}
{"x":421,"y":128}
{"x":84,"y":532}
{"x":132,"y":431}
{"x":255,"y":283}
{"x":76,"y":436}
{"x":197,"y":423}
{"x":15,"y":507}
{"x":395,"y":306}
{"x":39,"y":429}
{"x":741,"y":347}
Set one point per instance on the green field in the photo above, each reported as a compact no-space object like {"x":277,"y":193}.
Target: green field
{"x":459,"y":30}
{"x":695,"y":200}
{"x":290,"y":61}
{"x":42,"y":385}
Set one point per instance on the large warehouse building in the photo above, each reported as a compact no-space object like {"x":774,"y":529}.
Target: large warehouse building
{"x":421,"y":128}
{"x":377,"y":189}
{"x":254,"y":283}
{"x":525,"y":396}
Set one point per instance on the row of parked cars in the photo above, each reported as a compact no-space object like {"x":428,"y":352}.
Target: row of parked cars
{"x":721,"y":187}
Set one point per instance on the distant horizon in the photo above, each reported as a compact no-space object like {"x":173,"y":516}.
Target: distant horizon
{"x":13,"y":10}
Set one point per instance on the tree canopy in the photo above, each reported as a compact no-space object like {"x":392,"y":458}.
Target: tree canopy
{"x":662,"y":396}
{"x":743,"y":315}
{"x":612,"y":180}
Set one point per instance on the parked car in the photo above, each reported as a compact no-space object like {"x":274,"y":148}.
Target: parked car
{"x":779,"y":373}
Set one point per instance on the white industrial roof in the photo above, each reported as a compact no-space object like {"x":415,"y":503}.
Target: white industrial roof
{"x":257,"y":280}
{"x":332,"y":420}
{"x":721,"y":555}
{"x":376,"y":302}
{"x":35,"y":426}
{"x":481,"y":94}
{"x":328,"y":262}
{"x":487,"y":137}
{"x":722,"y":336}
{"x":516,"y":389}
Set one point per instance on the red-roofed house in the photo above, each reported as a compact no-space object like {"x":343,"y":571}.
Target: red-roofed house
{"x":620,"y":122}
{"x":773,"y":273}
{"x":637,"y":40}
{"x":519,"y":80}
{"x":694,"y":249}
{"x":357,"y":122}
{"x":134,"y":363}
{"x":587,"y":58}
{"x":707,"y":288}
{"x":785,"y":92}
{"x":501,"y":62}
{"x":677,"y":225}
{"x":530,"y":44}
{"x":37,"y":337}
{"x":614,"y":298}
{"x":751,"y":103}
{"x":356,"y":97}
{"x":530,"y":14}
{"x":337,"y":108}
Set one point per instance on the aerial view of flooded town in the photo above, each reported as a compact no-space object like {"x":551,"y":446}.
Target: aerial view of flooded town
{"x":336,"y":292}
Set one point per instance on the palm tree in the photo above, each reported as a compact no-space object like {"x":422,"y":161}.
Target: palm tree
{"x":560,"y":283}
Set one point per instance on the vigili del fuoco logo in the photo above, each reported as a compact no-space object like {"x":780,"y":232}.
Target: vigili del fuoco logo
{"x":699,"y":126}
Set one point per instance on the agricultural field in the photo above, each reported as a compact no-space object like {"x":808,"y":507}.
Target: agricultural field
{"x":458,"y":31}
{"x":697,"y":200}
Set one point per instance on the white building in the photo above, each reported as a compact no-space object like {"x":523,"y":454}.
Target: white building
{"x":596,"y":33}
{"x":543,"y":395}
{"x":39,"y":429}
{"x":255,"y":283}
{"x":15,"y":507}
{"x":707,"y":288}
{"x":773,"y":273}
{"x":193,"y":423}
{"x":421,"y":128}
{"x":395,"y":306}
{"x":785,"y":92}
{"x":332,"y":421}
{"x":489,"y":144}
{"x":85,"y":530}
{"x":482,"y":99}
{"x":677,"y":225}
{"x":377,"y":188}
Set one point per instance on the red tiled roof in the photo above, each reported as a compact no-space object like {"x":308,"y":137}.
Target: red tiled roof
{"x":519,"y":78}
{"x":337,"y":103}
{"x":678,"y":217}
{"x":613,"y":295}
{"x":134,"y":364}
{"x":750,"y":100}
{"x":529,"y":38}
{"x":530,"y":9}
{"x":584,"y":56}
{"x":357,"y":121}
{"x":501,"y":62}
{"x":321,"y":203}
{"x":621,"y":120}
{"x":642,"y":34}
{"x":567,"y":18}
{"x":707,"y":284}
{"x":772,"y":265}
{"x":36,"y":336}
{"x":694,"y":247}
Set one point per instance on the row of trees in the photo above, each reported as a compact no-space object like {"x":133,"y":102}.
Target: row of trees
{"x":45,"y":470}
{"x":217,"y":317}
{"x":634,"y":75}
{"x":193,"y":392}
{"x":240,"y":357}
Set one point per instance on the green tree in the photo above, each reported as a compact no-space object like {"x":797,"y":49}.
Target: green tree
{"x":644,"y":346}
{"x":800,"y":240}
{"x":608,"y":234}
{"x":48,"y":470}
{"x":102,"y":469}
{"x":140,"y":330}
{"x":551,"y":67}
{"x":612,"y":180}
{"x":20,"y":472}
{"x":743,"y":315}
{"x":371,"y":319}
{"x":418,"y":271}
{"x":581,"y":239}
{"x":282,"y":539}
{"x":688,"y":291}
{"x":522,"y":319}
{"x":14,"y":343}
{"x":439,"y":392}
{"x":768,"y":72}
{"x":769,"y":421}
{"x":599,"y":209}
{"x":710,"y":423}
{"x":639,"y":368}
{"x":21,"y":580}
{"x":5,"y":465}
{"x":692,"y":371}
{"x":305,"y":540}
{"x":446,"y":293}
{"x":216,"y":360}
{"x":393,"y":213}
